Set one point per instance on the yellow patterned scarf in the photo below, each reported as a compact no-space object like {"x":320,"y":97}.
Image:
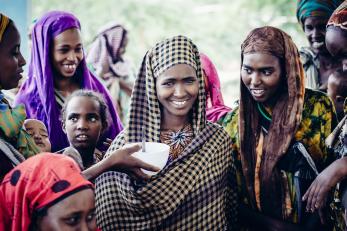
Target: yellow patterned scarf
{"x":11,"y":123}
{"x":4,"y":21}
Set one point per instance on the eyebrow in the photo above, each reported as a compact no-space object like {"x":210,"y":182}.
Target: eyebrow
{"x":262,"y":68}
{"x":43,"y":130}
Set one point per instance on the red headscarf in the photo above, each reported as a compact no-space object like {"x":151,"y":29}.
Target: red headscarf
{"x":215,"y":108}
{"x":38,"y":182}
{"x":339,"y":17}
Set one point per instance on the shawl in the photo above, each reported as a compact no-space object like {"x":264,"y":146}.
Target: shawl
{"x":286,"y":117}
{"x":339,"y":17}
{"x":4,"y":21}
{"x":216,"y":109}
{"x":36,"y":184}
{"x":37,"y":92}
{"x":196,"y":191}
{"x":104,"y":51}
{"x":315,"y":8}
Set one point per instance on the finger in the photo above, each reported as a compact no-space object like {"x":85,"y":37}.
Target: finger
{"x":132,"y":148}
{"x":321,"y":216}
{"x":140,"y":164}
{"x":314,"y":198}
{"x":108,"y":140}
{"x":138,"y":173}
{"x":310,"y":196}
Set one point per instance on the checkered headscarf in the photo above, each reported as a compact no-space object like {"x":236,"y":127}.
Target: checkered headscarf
{"x":144,"y":107}
{"x":196,"y":191}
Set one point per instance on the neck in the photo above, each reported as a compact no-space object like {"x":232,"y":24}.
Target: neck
{"x":174,"y":123}
{"x":87,"y":155}
{"x":65,"y":85}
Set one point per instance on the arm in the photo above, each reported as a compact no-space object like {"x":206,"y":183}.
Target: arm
{"x":120,"y":160}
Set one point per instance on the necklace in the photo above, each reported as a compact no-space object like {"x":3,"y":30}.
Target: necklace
{"x":263,"y":113}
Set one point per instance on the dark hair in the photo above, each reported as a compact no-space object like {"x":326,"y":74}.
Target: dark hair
{"x":94,"y":96}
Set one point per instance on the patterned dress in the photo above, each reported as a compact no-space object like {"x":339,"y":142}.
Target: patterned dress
{"x":318,"y":120}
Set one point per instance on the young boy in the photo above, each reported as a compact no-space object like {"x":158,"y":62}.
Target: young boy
{"x":337,"y":91}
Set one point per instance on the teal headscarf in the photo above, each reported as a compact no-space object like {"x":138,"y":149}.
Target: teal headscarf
{"x":315,"y":8}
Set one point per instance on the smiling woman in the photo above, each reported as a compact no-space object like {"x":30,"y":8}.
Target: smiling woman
{"x":276,"y":115}
{"x":57,"y":69}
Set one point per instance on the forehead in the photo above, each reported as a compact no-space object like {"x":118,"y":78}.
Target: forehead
{"x":178,"y":71}
{"x":68,"y":37}
{"x":31,"y":123}
{"x":314,"y":20}
{"x":259,"y":60}
{"x":11,"y":37}
{"x":82,"y":104}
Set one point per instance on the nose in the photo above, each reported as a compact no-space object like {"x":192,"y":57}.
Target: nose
{"x":179,"y":90}
{"x":72,"y":56}
{"x":21,"y":60}
{"x":37,"y":136}
{"x":82,"y":124}
{"x":255,"y":79}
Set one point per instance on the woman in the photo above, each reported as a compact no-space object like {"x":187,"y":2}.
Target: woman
{"x":215,"y":108}
{"x":278,"y":133}
{"x":106,"y":57}
{"x":318,"y":64}
{"x":15,"y":143}
{"x":195,"y":189}
{"x":336,"y":40}
{"x":57,"y":69}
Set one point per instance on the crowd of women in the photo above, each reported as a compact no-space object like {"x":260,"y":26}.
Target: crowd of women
{"x":274,"y":161}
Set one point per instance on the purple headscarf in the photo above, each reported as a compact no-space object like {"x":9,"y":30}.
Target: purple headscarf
{"x":37,"y":92}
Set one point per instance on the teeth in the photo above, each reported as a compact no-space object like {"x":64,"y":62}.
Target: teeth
{"x":258,"y":91}
{"x":317,"y":44}
{"x":70,"y":67}
{"x":179,"y":103}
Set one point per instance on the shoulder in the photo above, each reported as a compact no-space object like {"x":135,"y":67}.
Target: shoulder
{"x":316,"y":98}
{"x":117,"y":143}
{"x":306,"y":54}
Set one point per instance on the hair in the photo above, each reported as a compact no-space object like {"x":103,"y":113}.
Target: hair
{"x":103,"y":109}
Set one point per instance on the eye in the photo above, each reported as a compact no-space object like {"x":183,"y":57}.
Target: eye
{"x":73,"y":118}
{"x":78,"y":49}
{"x":63,"y":50}
{"x":91,"y":216}
{"x":16,"y":51}
{"x":308,"y":27}
{"x":247,"y":70}
{"x":190,"y":80}
{"x":168,"y":83}
{"x":45,"y":135}
{"x":72,"y":220}
{"x":267,"y":72}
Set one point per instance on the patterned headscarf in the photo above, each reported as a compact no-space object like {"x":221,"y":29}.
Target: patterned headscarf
{"x":192,"y":192}
{"x":315,"y":8}
{"x":37,"y":92}
{"x":286,"y":116}
{"x":339,"y":17}
{"x":4,"y":21}
{"x":36,"y":184}
{"x":104,"y":51}
{"x":215,"y":108}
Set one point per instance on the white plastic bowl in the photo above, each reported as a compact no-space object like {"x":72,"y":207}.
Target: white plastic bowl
{"x":156,"y":154}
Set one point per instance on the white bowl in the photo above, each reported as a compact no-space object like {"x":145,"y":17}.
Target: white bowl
{"x":156,"y":154}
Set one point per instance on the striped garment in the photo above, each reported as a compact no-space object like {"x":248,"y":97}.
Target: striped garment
{"x":196,"y":191}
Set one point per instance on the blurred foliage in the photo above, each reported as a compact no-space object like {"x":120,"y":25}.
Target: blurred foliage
{"x":218,"y":27}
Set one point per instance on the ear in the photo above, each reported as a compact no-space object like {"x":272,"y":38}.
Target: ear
{"x":63,"y":126}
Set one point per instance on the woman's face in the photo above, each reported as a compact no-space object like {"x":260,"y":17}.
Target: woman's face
{"x":11,"y":59}
{"x":67,"y":52}
{"x":177,"y":89}
{"x":83,"y":124}
{"x":314,"y":28}
{"x":336,"y":41}
{"x":76,"y":212}
{"x":261,"y":74}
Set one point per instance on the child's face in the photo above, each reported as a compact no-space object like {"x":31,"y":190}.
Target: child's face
{"x":335,"y":95}
{"x":38,"y":131}
{"x":67,"y":52}
{"x":82,"y":123}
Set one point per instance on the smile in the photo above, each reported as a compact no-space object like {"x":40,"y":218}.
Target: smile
{"x":179,"y":103}
{"x":257,"y":92}
{"x":317,"y":44}
{"x":81,"y":137}
{"x":70,"y":67}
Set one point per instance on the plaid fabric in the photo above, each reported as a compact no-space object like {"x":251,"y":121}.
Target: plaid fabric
{"x":193,"y":192}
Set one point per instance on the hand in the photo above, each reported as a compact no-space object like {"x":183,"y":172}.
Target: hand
{"x":317,"y":193}
{"x":107,"y":142}
{"x":122,"y":160}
